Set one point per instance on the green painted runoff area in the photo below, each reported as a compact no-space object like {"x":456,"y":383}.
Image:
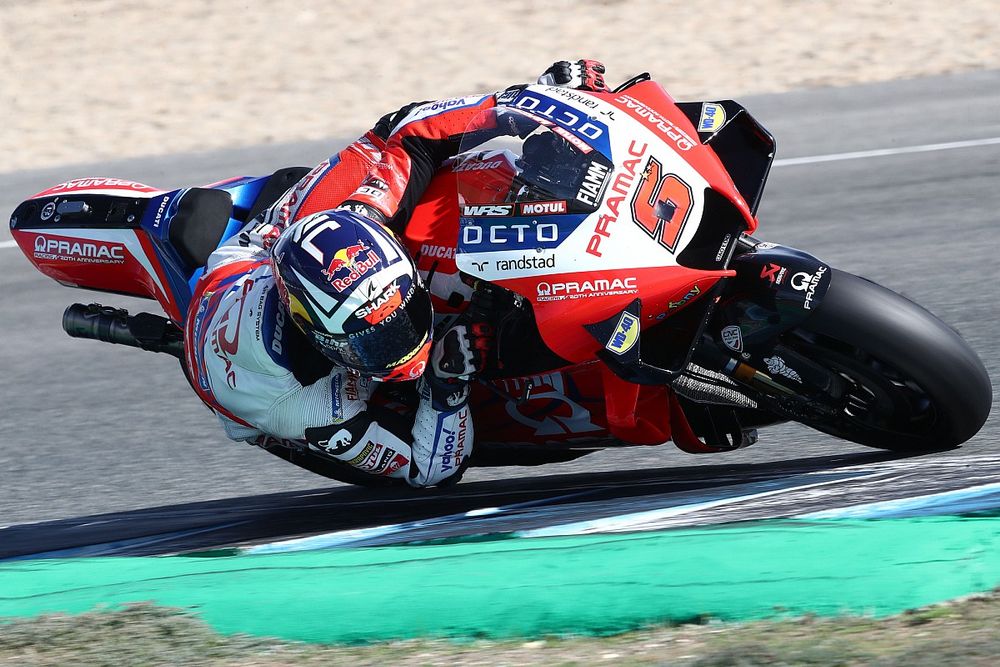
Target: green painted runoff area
{"x":592,"y":584}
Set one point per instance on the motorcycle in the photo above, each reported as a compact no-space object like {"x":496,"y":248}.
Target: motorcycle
{"x":633,"y":303}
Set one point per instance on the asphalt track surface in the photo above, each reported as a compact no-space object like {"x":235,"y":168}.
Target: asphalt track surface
{"x":90,"y":429}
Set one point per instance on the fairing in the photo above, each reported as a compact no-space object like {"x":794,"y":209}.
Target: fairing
{"x":600,"y":201}
{"x":114,"y":235}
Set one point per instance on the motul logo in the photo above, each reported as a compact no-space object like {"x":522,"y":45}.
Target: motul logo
{"x":490,"y":210}
{"x":543,"y":208}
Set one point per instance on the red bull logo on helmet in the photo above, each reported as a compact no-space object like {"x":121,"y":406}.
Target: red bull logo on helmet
{"x":349,"y":264}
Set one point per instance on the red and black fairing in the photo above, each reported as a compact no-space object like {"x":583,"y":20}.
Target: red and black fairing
{"x":664,"y":289}
{"x":587,"y":401}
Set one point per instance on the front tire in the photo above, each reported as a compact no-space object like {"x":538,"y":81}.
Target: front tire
{"x":913,"y":383}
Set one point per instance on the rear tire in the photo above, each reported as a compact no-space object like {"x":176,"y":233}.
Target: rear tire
{"x":915,"y":384}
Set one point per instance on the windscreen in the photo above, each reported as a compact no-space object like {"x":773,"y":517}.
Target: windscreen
{"x":524,"y":184}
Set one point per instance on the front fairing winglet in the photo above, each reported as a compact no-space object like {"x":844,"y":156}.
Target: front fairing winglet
{"x":744,"y":146}
{"x":626,"y":362}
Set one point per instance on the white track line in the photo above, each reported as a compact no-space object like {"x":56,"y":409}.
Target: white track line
{"x":969,"y":499}
{"x":8,"y":244}
{"x":651,"y":519}
{"x":926,"y":148}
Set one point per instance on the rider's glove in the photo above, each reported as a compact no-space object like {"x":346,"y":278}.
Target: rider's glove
{"x":453,"y":363}
{"x":451,"y":356}
{"x":465,"y":348}
{"x":582,"y":75}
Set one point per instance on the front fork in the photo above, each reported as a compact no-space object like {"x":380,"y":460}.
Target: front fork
{"x":738,"y":337}
{"x":775,"y":290}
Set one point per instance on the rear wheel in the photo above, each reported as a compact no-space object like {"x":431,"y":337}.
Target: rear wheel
{"x":910,"y":382}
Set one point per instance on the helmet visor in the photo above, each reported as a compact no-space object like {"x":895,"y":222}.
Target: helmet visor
{"x":377,"y":350}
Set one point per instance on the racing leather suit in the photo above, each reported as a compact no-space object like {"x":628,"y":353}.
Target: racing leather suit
{"x":246,"y":355}
{"x":257,"y":372}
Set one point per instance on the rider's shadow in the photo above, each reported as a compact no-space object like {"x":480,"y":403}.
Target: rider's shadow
{"x":494,"y":507}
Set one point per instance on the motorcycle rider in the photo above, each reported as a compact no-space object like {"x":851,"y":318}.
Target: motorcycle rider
{"x":325,"y":256}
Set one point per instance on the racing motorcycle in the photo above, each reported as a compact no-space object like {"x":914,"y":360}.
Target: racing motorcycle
{"x":632,"y":303}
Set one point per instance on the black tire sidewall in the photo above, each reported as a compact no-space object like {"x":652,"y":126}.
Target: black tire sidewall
{"x":901,"y":333}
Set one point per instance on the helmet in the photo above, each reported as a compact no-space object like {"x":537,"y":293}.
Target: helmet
{"x":355,"y":293}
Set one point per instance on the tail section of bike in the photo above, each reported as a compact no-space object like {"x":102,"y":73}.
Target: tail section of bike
{"x":124,"y":237}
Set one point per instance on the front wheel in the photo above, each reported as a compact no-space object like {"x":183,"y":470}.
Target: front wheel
{"x":912,"y":383}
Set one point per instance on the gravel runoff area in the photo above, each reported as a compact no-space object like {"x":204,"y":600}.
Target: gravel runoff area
{"x":89,"y":80}
{"x":957,"y":634}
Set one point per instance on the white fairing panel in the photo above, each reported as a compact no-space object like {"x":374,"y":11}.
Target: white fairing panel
{"x":584,"y":169}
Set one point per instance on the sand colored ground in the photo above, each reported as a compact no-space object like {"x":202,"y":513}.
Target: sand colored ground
{"x":84,"y":80}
